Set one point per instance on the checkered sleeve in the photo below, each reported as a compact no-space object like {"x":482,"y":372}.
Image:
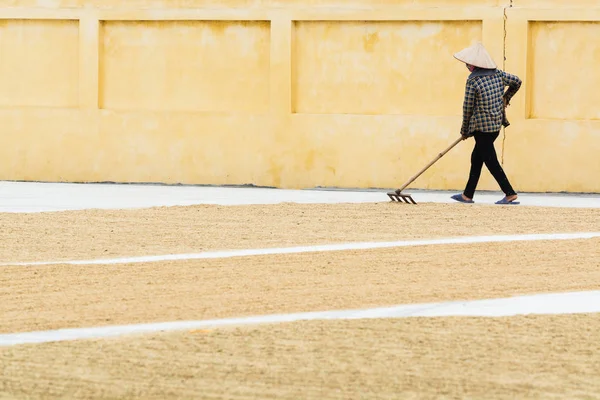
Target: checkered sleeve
{"x":514,"y":84}
{"x":468,"y":106}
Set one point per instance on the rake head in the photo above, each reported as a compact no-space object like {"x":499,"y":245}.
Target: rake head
{"x":401,"y":197}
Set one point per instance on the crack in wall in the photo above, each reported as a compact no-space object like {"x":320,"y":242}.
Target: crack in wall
{"x":504,"y":68}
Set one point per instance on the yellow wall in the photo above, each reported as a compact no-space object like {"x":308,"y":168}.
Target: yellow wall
{"x":291,"y":93}
{"x":554,"y":142}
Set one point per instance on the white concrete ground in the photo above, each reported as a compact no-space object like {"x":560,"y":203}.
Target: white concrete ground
{"x":313,"y":249}
{"x":37,"y":197}
{"x":553,"y":303}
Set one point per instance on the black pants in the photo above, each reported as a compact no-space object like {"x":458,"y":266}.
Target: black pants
{"x":485,"y":153}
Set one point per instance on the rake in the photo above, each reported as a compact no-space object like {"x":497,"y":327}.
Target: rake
{"x":407,"y":198}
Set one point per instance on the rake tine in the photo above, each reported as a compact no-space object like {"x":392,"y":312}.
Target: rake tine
{"x":401,"y":198}
{"x":407,"y":198}
{"x":394,"y":196}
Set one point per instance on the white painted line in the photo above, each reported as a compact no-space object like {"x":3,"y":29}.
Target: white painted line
{"x":318,"y":248}
{"x":554,"y":303}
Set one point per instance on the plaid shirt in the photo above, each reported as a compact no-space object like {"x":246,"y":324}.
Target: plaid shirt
{"x":483,"y":107}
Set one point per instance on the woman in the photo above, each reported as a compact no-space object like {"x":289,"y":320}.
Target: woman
{"x":483,"y":116}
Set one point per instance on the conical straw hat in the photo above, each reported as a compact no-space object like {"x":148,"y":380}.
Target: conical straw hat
{"x":477,"y":56}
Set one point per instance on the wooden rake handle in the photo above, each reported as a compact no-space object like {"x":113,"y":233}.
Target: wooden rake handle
{"x":411,"y":180}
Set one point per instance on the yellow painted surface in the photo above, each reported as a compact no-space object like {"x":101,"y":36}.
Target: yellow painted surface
{"x":545,"y":155}
{"x":185,"y":65}
{"x":294,"y":93}
{"x":551,"y":4}
{"x":38,"y":63}
{"x":554,"y":140}
{"x":564,"y":70}
{"x":378,"y":68}
{"x":244,"y":3}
